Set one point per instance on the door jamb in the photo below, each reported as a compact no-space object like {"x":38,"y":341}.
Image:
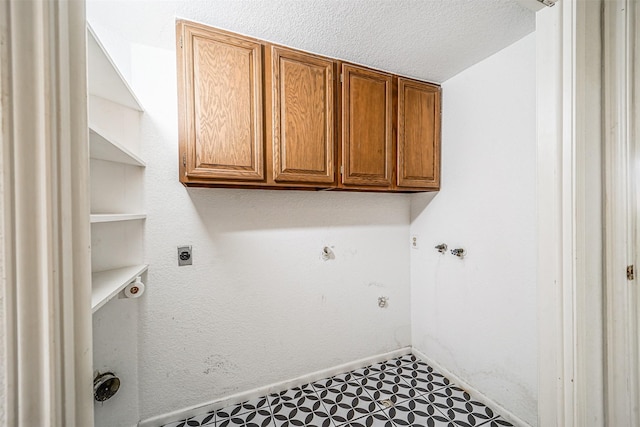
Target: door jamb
{"x":569,"y":217}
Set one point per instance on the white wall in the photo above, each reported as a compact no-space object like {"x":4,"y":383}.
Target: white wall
{"x":115,"y":349}
{"x":259,"y":305}
{"x":477,"y":316}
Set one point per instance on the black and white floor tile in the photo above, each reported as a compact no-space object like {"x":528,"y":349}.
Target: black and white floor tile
{"x":399,"y":392}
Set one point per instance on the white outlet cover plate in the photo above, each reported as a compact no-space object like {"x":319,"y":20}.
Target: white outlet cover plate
{"x":415,"y":242}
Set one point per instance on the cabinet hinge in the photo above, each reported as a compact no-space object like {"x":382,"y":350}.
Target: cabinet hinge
{"x":341,"y":169}
{"x":184,"y":159}
{"x":630,"y":274}
{"x":180,"y":42}
{"x":341,"y":77}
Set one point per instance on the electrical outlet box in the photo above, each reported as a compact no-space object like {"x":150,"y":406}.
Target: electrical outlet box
{"x":184,"y":255}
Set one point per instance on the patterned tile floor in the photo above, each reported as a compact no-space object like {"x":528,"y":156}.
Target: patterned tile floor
{"x":399,"y":392}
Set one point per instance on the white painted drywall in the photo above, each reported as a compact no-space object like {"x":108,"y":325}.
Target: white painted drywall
{"x":259,"y":305}
{"x":115,"y":349}
{"x":477,"y":316}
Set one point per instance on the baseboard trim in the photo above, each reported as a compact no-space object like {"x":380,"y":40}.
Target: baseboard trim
{"x":477,"y":395}
{"x":268,"y":389}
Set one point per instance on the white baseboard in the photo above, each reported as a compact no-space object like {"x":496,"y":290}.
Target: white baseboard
{"x":477,"y":395}
{"x":272,"y":388}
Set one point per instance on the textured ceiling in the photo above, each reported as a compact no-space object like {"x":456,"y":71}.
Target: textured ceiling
{"x":427,"y":39}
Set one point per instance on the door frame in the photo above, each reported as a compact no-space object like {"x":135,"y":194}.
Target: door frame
{"x":44,"y":216}
{"x":569,"y":195}
{"x":622,"y":154}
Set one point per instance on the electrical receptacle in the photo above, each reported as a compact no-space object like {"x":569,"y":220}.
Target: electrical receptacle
{"x":185,"y":255}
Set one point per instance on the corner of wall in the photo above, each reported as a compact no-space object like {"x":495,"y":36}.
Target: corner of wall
{"x":476,"y":316}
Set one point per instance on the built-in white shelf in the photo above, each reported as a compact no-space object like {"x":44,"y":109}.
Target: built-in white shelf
{"x":104,"y":78}
{"x":105,"y":82}
{"x":95,"y":218}
{"x":103,"y":148}
{"x":107,"y":284}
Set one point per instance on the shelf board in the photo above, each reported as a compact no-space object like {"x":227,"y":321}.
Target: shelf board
{"x":103,"y":148}
{"x":107,"y":284}
{"x":104,"y":78}
{"x":95,"y":218}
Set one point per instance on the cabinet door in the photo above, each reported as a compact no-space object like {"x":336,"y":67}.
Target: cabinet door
{"x":418,"y":134}
{"x":303,"y":117}
{"x":367,"y":145}
{"x":221,"y":129}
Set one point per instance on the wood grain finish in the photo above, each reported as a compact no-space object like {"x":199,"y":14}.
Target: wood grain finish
{"x":367,"y":110}
{"x":303,"y":117}
{"x":222,"y":130}
{"x":379,"y":132}
{"x":418,"y":134}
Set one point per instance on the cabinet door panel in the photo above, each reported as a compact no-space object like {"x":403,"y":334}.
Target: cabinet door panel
{"x":223,"y":97}
{"x":367,"y":145}
{"x":418,"y":134}
{"x":303,"y":117}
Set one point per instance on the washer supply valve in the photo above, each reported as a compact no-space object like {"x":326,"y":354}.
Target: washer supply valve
{"x":459,"y":252}
{"x":442,"y":248}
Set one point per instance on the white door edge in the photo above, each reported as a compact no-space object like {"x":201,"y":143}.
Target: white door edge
{"x":621,"y":151}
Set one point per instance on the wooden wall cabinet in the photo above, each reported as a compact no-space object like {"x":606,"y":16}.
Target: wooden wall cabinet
{"x":303,"y":113}
{"x":254,"y":114}
{"x":367,"y":127}
{"x":220,"y":77}
{"x":390,"y":132}
{"x":418,"y":158}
